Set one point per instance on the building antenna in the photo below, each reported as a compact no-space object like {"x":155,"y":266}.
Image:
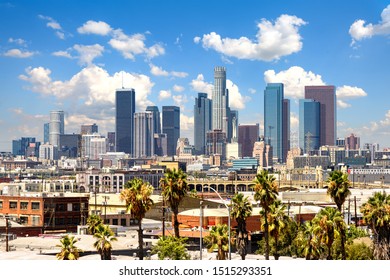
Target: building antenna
{"x":122,"y":80}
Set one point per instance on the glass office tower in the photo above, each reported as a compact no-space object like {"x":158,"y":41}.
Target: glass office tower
{"x":202,"y":122}
{"x":309,"y":125}
{"x":124,"y":120}
{"x":171,"y":127}
{"x":273,"y":118}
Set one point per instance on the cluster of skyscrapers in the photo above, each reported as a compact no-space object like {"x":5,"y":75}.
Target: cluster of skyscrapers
{"x":217,"y":132}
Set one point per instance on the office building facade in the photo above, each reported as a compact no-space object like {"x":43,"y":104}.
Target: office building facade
{"x":143,"y":134}
{"x":247,"y":136}
{"x":89,"y":129}
{"x":273,"y":119}
{"x":124,"y":120}
{"x":202,"y":122}
{"x":309,"y":125}
{"x":326,"y":96}
{"x":220,"y":104}
{"x":171,"y":127}
{"x":56,"y":127}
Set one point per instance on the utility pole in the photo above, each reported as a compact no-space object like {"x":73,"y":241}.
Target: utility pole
{"x":6,"y":233}
{"x":163,"y":218}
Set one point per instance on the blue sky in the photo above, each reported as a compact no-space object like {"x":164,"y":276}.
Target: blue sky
{"x":72,"y":55}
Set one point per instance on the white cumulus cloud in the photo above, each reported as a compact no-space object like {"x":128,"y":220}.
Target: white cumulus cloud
{"x":200,"y":85}
{"x":93,"y":86}
{"x":178,"y":88}
{"x":348,"y":92}
{"x":164,"y":94}
{"x":360,"y":30}
{"x":95,"y":27}
{"x":236,"y":99}
{"x":273,"y":40}
{"x":88,"y":53}
{"x":18,"y":53}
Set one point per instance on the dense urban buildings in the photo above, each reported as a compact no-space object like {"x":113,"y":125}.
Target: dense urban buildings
{"x":124,"y":120}
{"x":220,"y":101}
{"x":248,"y":134}
{"x":144,"y":134}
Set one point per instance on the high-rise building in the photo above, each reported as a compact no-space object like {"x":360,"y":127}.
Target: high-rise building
{"x":156,"y":118}
{"x":247,"y":135}
{"x":233,"y":126}
{"x":202,"y":122}
{"x":263,"y":152}
{"x":110,"y":142}
{"x":286,"y":142}
{"x":309,"y":125}
{"x":56,"y":127}
{"x":220,"y":104}
{"x":92,"y":145}
{"x":46,"y":132}
{"x":273,"y":119}
{"x":89,"y":129}
{"x":352,"y":142}
{"x":19,"y":147}
{"x":70,"y":145}
{"x":124,"y":120}
{"x":326,"y":96}
{"x":216,"y":143}
{"x":171,"y":127}
{"x":143,"y":134}
{"x":48,"y":151}
{"x":160,"y":144}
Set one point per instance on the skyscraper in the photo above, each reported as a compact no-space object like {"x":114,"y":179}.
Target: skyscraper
{"x":247,"y":136}
{"x":156,"y":118}
{"x":56,"y":127}
{"x":352,"y":142}
{"x":46,"y":132}
{"x":124,"y":120}
{"x":202,"y":122}
{"x":309,"y":125}
{"x":273,"y":119}
{"x":143,"y":134}
{"x":171,"y":127}
{"x":286,"y":142}
{"x":221,"y":111}
{"x":326,"y":96}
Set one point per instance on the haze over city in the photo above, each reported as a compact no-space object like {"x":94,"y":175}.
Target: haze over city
{"x":56,"y":57}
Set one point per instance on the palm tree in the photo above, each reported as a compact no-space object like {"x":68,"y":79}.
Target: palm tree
{"x":278,"y":221}
{"x":266,"y":191}
{"x":136,"y":194}
{"x":241,"y":210}
{"x":376,"y":214}
{"x":93,"y":222}
{"x":103,"y":244}
{"x":338,"y":190}
{"x":174,"y":189}
{"x":309,"y":241}
{"x":172,"y":248}
{"x":68,"y":250}
{"x":218,"y":238}
{"x":328,"y":223}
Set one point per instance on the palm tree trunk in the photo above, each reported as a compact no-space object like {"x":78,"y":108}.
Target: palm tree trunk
{"x":140,"y":240}
{"x":176,"y":224}
{"x":266,"y":237}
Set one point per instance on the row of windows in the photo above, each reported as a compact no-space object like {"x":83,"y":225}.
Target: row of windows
{"x":24,"y":205}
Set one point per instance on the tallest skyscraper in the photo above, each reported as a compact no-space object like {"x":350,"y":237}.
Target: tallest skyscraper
{"x":221,"y":111}
{"x":124,"y":120}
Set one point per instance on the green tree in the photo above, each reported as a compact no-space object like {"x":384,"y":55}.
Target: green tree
{"x":359,"y":251}
{"x":241,"y":210}
{"x":328,"y":224}
{"x":93,"y":222}
{"x":308,"y":242}
{"x":103,"y":244}
{"x":266,"y":191}
{"x":174,"y":188}
{"x":136,"y":194}
{"x":278,"y":221}
{"x":171,"y":247}
{"x":376,"y":214}
{"x":218,"y":238}
{"x":338,"y":190}
{"x":68,"y":249}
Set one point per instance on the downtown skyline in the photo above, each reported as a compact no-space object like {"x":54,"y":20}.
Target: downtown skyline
{"x":56,"y":57}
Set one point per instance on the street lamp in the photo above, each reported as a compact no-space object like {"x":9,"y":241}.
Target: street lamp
{"x":200,"y":229}
{"x":228,"y":208}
